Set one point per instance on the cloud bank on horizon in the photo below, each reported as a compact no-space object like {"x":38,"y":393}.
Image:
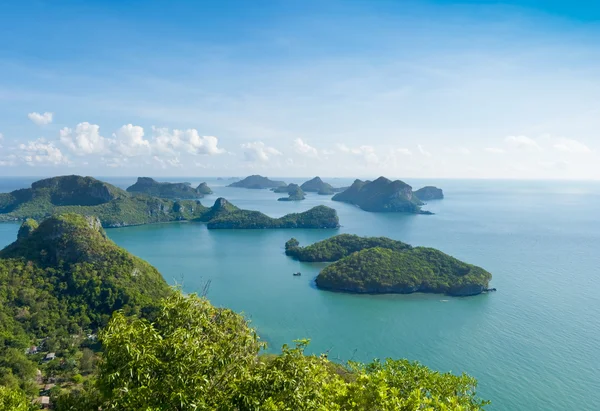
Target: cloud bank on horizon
{"x":350,"y":88}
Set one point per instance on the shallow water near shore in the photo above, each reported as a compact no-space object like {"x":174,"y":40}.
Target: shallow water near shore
{"x":533,"y":345}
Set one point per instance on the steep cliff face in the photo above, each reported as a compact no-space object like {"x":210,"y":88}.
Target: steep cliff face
{"x":429,"y":193}
{"x":381,"y":195}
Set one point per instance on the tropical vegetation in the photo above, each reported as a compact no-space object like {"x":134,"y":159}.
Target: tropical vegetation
{"x":122,"y":340}
{"x":339,"y":246}
{"x":418,"y":269}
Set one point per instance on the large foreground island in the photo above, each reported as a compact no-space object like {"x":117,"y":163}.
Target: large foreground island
{"x":378,"y":265}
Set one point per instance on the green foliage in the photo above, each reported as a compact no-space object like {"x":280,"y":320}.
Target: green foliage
{"x":14,"y":400}
{"x":151,"y":187}
{"x":339,"y":246}
{"x":381,"y":195}
{"x":197,"y":357}
{"x":380,"y":270}
{"x":193,"y":356}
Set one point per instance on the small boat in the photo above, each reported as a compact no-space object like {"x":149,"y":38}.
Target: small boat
{"x":297,"y":274}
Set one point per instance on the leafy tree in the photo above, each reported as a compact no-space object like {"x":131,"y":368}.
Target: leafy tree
{"x":198,"y":357}
{"x":14,"y":400}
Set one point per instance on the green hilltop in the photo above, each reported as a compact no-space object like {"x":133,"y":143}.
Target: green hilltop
{"x":59,"y":282}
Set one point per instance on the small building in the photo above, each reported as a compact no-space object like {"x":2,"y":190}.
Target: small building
{"x":43,"y":402}
{"x":50,"y":356}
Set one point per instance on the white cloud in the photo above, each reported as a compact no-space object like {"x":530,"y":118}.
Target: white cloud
{"x":367,"y":153}
{"x":258,"y":152}
{"x":305,"y":149}
{"x":41,"y":119}
{"x":495,"y":150}
{"x":129,"y":141}
{"x":85,"y":139}
{"x":404,"y":151}
{"x":41,"y":152}
{"x":459,"y":150}
{"x":189,"y":140}
{"x":423,"y":151}
{"x":522,"y":143}
{"x":571,"y":146}
{"x":167,"y":162}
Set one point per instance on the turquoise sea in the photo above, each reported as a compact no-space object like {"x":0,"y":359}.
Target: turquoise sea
{"x":533,"y":345}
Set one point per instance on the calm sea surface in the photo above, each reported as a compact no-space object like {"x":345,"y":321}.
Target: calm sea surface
{"x":533,"y":345}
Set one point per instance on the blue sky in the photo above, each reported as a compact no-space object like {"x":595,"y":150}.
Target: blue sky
{"x":475,"y":89}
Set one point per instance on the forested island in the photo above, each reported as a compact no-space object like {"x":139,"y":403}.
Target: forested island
{"x":382,"y":195}
{"x":316,"y":185}
{"x":116,"y":207}
{"x":204,"y":189}
{"x":177,"y":191}
{"x":106,"y":332}
{"x":225,"y":215}
{"x":257,"y":182}
{"x":295,"y":193}
{"x":429,"y":193}
{"x":379,"y":265}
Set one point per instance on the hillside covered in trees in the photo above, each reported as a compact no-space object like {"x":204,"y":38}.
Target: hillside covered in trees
{"x":177,"y":191}
{"x":382,"y":195}
{"x":339,"y":246}
{"x":63,"y":283}
{"x":116,"y":207}
{"x":381,"y":265}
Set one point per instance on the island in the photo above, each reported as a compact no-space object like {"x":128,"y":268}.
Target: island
{"x":224,"y":215}
{"x":339,"y":246}
{"x":316,"y":185}
{"x":429,"y":193}
{"x":378,"y":265}
{"x":151,"y":187}
{"x":117,"y":208}
{"x":294,"y":191}
{"x":88,"y":196}
{"x":382,"y":195}
{"x":257,"y":182}
{"x":204,"y":189}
